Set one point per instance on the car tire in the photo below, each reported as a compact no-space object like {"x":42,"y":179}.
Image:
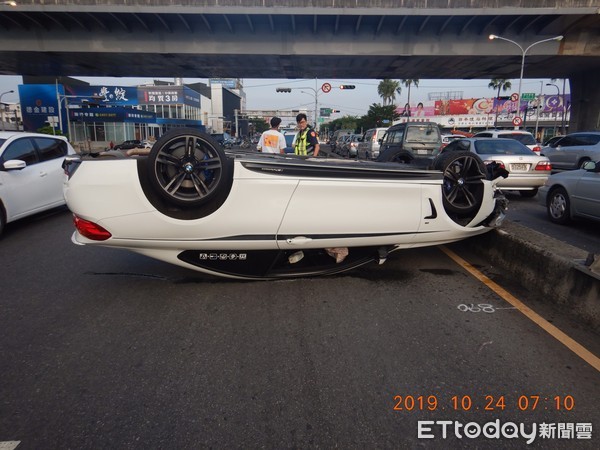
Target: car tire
{"x":396,"y":157}
{"x":187,"y":167}
{"x":529,"y":194}
{"x":462,"y":188}
{"x":2,"y":219}
{"x":558,"y":206}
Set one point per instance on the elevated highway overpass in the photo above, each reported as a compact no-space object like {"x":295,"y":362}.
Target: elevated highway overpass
{"x":336,"y":39}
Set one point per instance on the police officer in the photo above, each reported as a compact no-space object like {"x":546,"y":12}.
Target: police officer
{"x":306,"y":139}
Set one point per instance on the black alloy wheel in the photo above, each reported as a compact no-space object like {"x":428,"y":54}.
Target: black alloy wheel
{"x":462,"y":187}
{"x":187,"y":167}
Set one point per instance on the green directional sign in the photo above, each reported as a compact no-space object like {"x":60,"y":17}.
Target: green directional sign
{"x":325,"y":112}
{"x":528,"y":96}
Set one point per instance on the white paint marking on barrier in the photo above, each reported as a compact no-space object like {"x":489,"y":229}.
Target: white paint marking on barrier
{"x":9,"y":445}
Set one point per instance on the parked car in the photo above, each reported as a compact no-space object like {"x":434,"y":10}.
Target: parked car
{"x":255,"y":216}
{"x":572,"y":194}
{"x":524,"y":137}
{"x":31,"y":174}
{"x":289,"y":142}
{"x":128,"y":145}
{"x":350,"y":146}
{"x":526,"y":170}
{"x":574,"y":150}
{"x":368,"y":148}
{"x":408,"y":141}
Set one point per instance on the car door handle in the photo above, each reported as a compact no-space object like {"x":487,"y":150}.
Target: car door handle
{"x":43,"y":174}
{"x":298,"y":240}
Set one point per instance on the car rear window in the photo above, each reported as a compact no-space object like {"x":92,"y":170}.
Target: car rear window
{"x":501,"y":147}
{"x":526,"y":139}
{"x":421,"y":134}
{"x":51,"y":148}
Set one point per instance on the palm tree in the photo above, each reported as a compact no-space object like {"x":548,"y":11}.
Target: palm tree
{"x":499,"y":83}
{"x":408,"y":82}
{"x":387,"y":90}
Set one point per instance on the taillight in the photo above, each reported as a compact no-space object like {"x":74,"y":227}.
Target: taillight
{"x":543,"y":165}
{"x":537,"y":149}
{"x":90,"y":230}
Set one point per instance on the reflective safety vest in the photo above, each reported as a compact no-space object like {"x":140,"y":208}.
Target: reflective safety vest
{"x":300,"y":146}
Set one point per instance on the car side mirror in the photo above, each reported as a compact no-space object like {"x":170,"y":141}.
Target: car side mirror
{"x":591,"y":166}
{"x":14,"y":164}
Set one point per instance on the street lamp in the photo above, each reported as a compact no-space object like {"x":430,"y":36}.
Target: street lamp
{"x":523,"y":53}
{"x":2,"y":105}
{"x":555,"y":109}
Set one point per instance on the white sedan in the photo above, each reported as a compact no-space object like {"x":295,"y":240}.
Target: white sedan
{"x":527,"y":170}
{"x":31,"y":176}
{"x":259,"y":216}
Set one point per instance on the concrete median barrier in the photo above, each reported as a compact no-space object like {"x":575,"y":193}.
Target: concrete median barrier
{"x":559,"y":272}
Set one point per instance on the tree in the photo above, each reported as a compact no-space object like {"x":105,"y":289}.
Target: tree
{"x":259,"y":125}
{"x":499,"y":83}
{"x":387,"y":90}
{"x":408,"y":82}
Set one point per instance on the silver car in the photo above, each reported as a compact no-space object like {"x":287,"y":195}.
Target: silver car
{"x":526,"y":170}
{"x":574,"y":150}
{"x":573,"y":194}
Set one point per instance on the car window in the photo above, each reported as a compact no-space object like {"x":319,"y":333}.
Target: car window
{"x":50,"y":148}
{"x":421,"y":134}
{"x":501,"y":147}
{"x":380,"y":134}
{"x":571,"y":141}
{"x":483,"y":135}
{"x":590,"y":139}
{"x":21,"y":149}
{"x":395,"y":137}
{"x":526,"y":139}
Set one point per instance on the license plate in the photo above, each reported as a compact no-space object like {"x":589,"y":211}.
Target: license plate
{"x":523,"y":167}
{"x":422,"y":152}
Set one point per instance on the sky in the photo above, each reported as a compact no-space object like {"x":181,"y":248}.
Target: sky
{"x":261,"y":93}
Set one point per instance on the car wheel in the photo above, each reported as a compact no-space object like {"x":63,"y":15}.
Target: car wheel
{"x":559,"y":206}
{"x":2,"y":219}
{"x":187,"y":168}
{"x":529,"y":194}
{"x":401,"y":158}
{"x":462,"y":187}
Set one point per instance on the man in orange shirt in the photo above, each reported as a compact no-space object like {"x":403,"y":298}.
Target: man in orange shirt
{"x":272,"y":141}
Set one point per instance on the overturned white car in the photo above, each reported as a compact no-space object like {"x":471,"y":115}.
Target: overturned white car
{"x":259,"y":216}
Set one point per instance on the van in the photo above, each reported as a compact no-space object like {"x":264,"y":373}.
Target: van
{"x":410,"y":142}
{"x":368,"y":148}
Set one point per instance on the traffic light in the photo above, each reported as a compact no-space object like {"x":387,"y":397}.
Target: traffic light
{"x":347,"y":86}
{"x":335,"y":110}
{"x":283,"y":90}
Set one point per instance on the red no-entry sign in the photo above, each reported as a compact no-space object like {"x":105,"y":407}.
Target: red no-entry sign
{"x":326,"y":87}
{"x":517,"y":121}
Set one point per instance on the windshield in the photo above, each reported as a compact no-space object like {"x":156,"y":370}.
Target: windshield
{"x":2,"y":141}
{"x":501,"y":147}
{"x":422,"y":134}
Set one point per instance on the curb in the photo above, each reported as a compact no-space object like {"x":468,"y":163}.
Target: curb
{"x":554,"y":269}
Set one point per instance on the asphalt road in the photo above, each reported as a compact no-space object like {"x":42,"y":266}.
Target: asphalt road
{"x":102,"y":348}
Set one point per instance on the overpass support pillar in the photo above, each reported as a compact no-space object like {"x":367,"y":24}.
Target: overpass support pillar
{"x":585,"y":97}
